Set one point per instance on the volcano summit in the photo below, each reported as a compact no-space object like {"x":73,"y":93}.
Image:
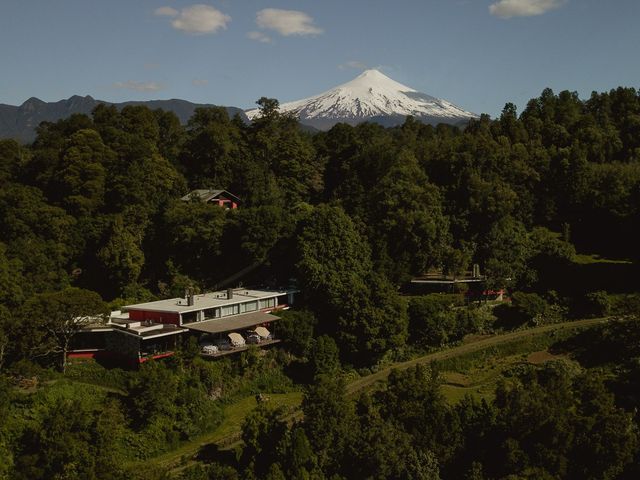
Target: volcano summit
{"x":374,"y":97}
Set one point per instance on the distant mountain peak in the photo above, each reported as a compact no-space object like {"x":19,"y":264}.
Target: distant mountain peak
{"x":373,"y":74}
{"x":373,"y":77}
{"x":32,"y":101}
{"x":80,"y":97}
{"x":371,"y":96}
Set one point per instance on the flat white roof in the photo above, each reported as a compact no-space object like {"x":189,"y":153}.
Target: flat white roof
{"x":205,"y":301}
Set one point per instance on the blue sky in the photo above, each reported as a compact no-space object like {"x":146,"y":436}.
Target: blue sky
{"x":478,"y":54}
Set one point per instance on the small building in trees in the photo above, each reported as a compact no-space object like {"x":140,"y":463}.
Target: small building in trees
{"x":221,"y":198}
{"x":473,"y":284}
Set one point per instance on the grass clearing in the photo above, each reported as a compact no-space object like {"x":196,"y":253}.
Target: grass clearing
{"x":490,"y":356}
{"x":227,"y":433}
{"x":478,"y":373}
{"x":588,"y":259}
{"x":480,"y":380}
{"x":538,"y":358}
{"x":454,"y":394}
{"x":480,"y":353}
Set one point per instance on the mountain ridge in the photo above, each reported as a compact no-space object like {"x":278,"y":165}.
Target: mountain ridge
{"x":20,"y":121}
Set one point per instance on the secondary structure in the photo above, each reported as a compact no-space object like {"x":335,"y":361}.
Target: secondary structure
{"x":221,"y":198}
{"x":473,"y":284}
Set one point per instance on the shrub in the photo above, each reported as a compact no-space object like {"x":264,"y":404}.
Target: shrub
{"x":429,"y":323}
{"x":526,"y":308}
{"x":597,"y":304}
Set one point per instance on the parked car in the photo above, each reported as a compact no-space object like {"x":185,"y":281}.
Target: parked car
{"x":252,"y":338}
{"x":223,"y":344}
{"x":209,"y":349}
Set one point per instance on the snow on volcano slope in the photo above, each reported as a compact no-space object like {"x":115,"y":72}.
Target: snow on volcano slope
{"x":371,"y":96}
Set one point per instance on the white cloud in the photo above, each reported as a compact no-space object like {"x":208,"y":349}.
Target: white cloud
{"x":523,"y":8}
{"x":199,"y":82}
{"x":259,"y":37}
{"x":287,"y":22}
{"x":139,"y":86}
{"x":166,"y":12}
{"x":353,"y":64}
{"x":196,"y":19}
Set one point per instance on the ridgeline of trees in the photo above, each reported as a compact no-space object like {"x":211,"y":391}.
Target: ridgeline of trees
{"x":91,"y":218}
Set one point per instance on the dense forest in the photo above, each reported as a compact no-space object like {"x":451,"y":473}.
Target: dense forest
{"x":91,"y":218}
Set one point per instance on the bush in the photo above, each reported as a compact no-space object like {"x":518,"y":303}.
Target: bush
{"x":597,"y":304}
{"x":626,"y":304}
{"x":296,"y":328}
{"x":28,"y":369}
{"x":526,"y":308}
{"x":90,"y":371}
{"x":429,"y":322}
{"x":473,"y":320}
{"x":325,"y":356}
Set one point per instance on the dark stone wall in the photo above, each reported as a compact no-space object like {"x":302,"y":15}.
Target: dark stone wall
{"x":123,"y":345}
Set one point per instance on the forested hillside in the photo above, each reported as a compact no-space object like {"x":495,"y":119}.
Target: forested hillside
{"x":91,"y":212}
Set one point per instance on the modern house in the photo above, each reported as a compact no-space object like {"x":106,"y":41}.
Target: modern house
{"x":151,"y":330}
{"x":221,"y":198}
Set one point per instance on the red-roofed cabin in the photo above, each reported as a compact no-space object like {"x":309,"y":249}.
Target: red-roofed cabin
{"x":222,"y":198}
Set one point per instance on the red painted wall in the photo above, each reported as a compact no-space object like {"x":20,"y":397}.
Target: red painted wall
{"x":83,"y":354}
{"x":98,"y":354}
{"x":225,"y":202}
{"x":158,"y":317}
{"x":155,"y":357}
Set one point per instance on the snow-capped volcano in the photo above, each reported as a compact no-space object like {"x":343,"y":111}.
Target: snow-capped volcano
{"x":371,"y":96}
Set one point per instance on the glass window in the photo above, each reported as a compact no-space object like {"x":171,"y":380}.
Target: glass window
{"x":267,"y":303}
{"x":251,"y":306}
{"x":229,"y":310}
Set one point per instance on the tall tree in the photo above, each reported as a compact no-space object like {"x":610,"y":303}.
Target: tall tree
{"x":81,"y":175}
{"x":278,"y":143}
{"x":121,"y":255}
{"x":213,"y":145}
{"x":59,"y":316}
{"x":329,"y":422}
{"x":356,"y":306}
{"x":194,"y":231}
{"x":408,"y":228}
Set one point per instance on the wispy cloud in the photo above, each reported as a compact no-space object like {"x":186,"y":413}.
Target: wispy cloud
{"x":166,"y":12}
{"x":523,"y":8}
{"x":353,"y":64}
{"x":287,"y":22}
{"x":139,"y":86}
{"x":199,"y":82}
{"x":259,"y":36}
{"x":197,"y":19}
